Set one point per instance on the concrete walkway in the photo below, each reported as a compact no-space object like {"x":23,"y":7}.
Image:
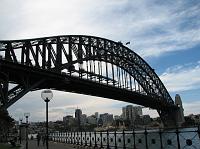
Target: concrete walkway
{"x":32,"y":144}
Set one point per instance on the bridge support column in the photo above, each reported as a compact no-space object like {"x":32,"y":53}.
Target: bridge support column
{"x":168,"y":118}
{"x":3,"y":88}
{"x":173,"y":117}
{"x":179,"y":113}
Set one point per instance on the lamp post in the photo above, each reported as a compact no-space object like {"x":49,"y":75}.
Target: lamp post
{"x":20,"y":129}
{"x":47,"y":95}
{"x":26,"y":116}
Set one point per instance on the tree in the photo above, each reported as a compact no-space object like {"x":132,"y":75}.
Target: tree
{"x":189,"y":121}
{"x":6,"y":122}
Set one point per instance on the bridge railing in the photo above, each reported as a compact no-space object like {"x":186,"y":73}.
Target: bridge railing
{"x":145,"y":139}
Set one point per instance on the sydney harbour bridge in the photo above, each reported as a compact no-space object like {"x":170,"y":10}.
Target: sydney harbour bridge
{"x":81,"y":64}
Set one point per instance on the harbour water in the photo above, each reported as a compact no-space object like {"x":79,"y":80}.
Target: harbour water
{"x":184,"y":138}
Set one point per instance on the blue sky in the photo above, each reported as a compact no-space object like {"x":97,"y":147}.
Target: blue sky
{"x":164,"y":33}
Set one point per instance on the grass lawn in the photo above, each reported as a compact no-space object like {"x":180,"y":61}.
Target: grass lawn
{"x":7,"y":146}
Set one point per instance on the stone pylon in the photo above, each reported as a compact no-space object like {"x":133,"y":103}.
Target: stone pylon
{"x":180,"y":112}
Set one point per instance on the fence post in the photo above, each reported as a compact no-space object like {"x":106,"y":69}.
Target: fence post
{"x":95,"y":139}
{"x":198,"y":131}
{"x":77,"y":138}
{"x":178,"y":140}
{"x":101,"y":139}
{"x":85,"y":139}
{"x":124,"y":140}
{"x":81,"y":139}
{"x":160,"y":134}
{"x":74,"y":137}
{"x":67,"y":137}
{"x":57,"y":137}
{"x":64,"y":136}
{"x":146,"y":141}
{"x":90,"y":139}
{"x":115,"y":134}
{"x":59,"y":134}
{"x":61,"y":137}
{"x":108,"y":146}
{"x":134,"y":146}
{"x":71,"y":138}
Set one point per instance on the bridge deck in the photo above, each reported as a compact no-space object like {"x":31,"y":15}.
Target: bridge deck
{"x":64,"y":82}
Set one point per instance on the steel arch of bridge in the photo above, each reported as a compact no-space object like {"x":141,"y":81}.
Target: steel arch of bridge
{"x":61,"y":57}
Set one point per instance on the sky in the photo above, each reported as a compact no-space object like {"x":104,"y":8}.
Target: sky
{"x":166,"y":34}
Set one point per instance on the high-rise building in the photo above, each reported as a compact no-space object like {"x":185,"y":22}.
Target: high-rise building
{"x":83,"y":119}
{"x":117,"y":117}
{"x":124,"y":113}
{"x":106,"y":118}
{"x":130,"y":112}
{"x":78,"y":114}
{"x":92,"y":119}
{"x":146,"y":119}
{"x":67,"y":118}
{"x":68,"y":121}
{"x":96,"y":115}
{"x":137,"y":110}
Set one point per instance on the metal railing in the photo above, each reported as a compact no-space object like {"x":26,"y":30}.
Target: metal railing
{"x":179,"y":138}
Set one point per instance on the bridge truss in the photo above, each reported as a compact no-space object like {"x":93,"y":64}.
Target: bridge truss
{"x":81,"y":64}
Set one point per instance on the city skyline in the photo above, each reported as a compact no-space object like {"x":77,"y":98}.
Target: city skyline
{"x":165,"y":34}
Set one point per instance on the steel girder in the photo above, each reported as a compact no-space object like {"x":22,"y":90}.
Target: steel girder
{"x":63,"y":52}
{"x":22,"y":85}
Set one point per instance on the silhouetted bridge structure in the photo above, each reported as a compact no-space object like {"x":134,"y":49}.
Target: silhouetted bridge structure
{"x":81,"y":64}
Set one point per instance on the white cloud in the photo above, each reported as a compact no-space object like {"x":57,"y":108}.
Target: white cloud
{"x":191,"y":107}
{"x":182,"y":78}
{"x":175,"y":41}
{"x":153,"y":28}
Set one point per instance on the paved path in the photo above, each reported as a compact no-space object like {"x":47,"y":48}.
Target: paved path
{"x":32,"y":144}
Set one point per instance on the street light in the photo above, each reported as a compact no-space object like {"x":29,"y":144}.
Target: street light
{"x":26,"y":116}
{"x":47,"y":95}
{"x":20,"y":129}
